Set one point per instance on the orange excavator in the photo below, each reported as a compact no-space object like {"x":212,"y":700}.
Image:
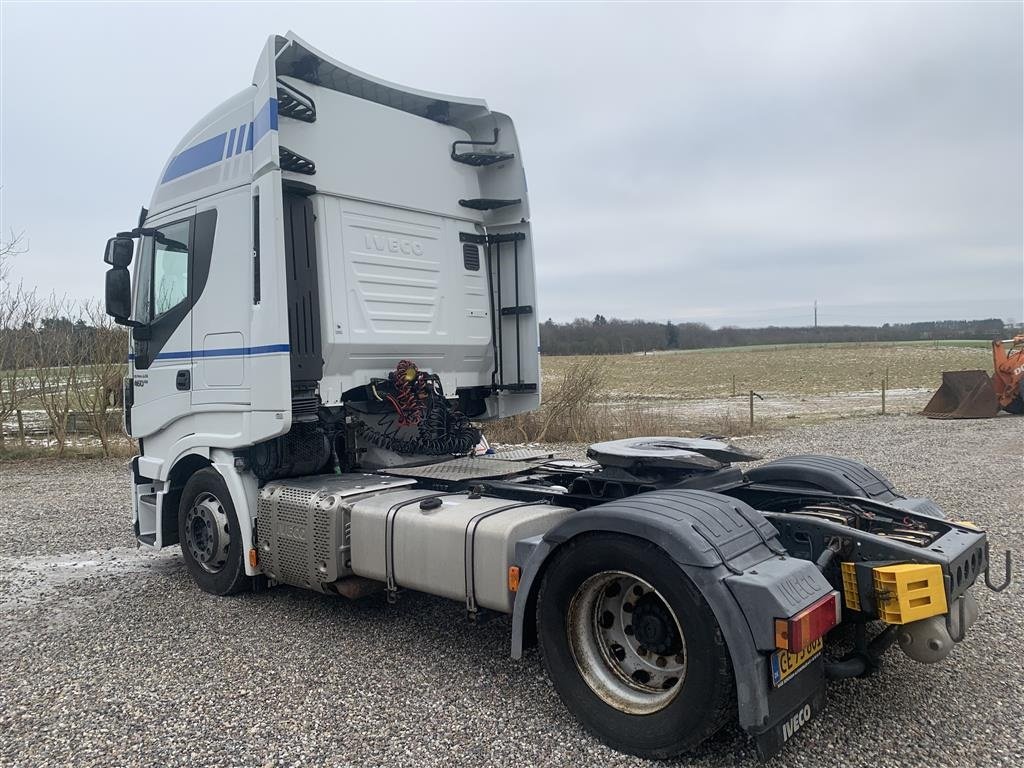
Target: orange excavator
{"x":974,"y":395}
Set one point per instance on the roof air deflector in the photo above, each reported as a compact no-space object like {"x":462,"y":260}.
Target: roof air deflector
{"x":304,"y":62}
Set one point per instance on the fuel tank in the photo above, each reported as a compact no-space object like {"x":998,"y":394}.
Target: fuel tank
{"x":455,"y":545}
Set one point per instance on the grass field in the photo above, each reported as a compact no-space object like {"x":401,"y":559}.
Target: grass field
{"x":791,"y":369}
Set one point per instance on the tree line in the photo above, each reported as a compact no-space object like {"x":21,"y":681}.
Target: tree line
{"x":603,"y":336}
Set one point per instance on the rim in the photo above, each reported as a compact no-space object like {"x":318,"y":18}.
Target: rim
{"x":627,"y":642}
{"x":207,"y":534}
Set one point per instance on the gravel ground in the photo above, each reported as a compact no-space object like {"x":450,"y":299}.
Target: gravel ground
{"x":111,"y":657}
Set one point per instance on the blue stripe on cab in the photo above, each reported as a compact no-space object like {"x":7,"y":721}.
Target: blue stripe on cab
{"x":266,"y":120}
{"x":192,"y":159}
{"x":224,"y":145}
{"x":266,"y":349}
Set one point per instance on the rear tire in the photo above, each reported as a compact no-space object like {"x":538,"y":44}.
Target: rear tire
{"x":210,"y":537}
{"x":653,"y":702}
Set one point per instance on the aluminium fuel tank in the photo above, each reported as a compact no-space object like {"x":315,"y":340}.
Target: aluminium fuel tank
{"x":455,"y":545}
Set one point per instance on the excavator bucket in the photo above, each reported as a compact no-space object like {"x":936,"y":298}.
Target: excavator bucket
{"x":963,"y":395}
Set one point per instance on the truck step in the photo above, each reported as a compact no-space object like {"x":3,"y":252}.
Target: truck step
{"x":503,"y":237}
{"x":516,"y":387}
{"x":480,"y":158}
{"x":488,"y":203}
{"x":305,"y":406}
{"x":294,"y":162}
{"x":524,"y":310}
{"x":293,"y":103}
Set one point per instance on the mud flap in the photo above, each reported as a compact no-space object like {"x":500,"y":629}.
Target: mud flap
{"x":792,"y":706}
{"x":963,"y":395}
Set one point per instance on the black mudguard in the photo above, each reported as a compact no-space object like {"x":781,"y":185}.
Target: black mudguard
{"x":715,"y":540}
{"x":834,"y":474}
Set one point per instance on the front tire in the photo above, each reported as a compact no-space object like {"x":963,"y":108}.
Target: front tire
{"x":211,"y":540}
{"x":632,"y":647}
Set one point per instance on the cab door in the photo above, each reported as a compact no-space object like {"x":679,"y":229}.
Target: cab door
{"x":161,"y":349}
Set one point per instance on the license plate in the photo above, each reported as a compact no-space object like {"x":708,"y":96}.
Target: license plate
{"x":786,"y":664}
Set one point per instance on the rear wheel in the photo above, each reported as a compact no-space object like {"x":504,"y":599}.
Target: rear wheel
{"x":632,"y":647}
{"x":211,"y":540}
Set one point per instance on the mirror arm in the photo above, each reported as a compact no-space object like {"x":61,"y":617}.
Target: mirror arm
{"x":139,"y":232}
{"x":129,"y":323}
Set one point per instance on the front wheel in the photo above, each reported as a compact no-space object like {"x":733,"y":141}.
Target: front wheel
{"x":632,"y":648}
{"x":211,"y":540}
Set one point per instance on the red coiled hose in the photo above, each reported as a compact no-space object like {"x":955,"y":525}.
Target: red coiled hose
{"x":408,"y":382}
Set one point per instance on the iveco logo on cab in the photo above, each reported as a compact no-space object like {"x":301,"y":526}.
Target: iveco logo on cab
{"x":795,"y":722}
{"x":393,"y":245}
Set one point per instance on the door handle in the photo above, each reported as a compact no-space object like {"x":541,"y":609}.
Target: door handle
{"x":183,"y":380}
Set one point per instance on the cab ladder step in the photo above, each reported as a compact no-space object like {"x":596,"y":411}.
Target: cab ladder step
{"x":294,"y":162}
{"x":293,"y":103}
{"x":488,"y":203}
{"x":480,"y":159}
{"x":524,"y":310}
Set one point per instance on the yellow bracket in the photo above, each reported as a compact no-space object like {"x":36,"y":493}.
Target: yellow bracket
{"x":908,"y":592}
{"x":850,"y":594}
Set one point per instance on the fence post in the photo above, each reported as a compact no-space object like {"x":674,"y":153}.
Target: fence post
{"x":753,"y":394}
{"x":734,"y":385}
{"x":21,"y":429}
{"x":884,"y":381}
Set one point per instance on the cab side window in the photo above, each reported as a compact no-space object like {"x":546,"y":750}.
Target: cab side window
{"x":170,"y":276}
{"x":170,"y":267}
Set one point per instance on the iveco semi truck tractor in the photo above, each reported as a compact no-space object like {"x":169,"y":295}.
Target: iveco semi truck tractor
{"x":333,"y":286}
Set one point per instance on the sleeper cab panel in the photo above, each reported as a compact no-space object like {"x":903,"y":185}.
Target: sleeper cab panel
{"x":430,"y":545}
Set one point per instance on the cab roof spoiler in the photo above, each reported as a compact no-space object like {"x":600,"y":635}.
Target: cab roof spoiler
{"x":298,"y":59}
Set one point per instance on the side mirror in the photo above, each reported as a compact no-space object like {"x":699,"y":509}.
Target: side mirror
{"x":119,"y":293}
{"x":119,"y":252}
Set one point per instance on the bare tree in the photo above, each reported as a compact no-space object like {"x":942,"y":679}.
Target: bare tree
{"x":58,"y":358}
{"x":98,"y":395}
{"x":18,"y":307}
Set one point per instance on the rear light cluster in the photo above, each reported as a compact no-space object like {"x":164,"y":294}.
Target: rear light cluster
{"x":814,"y":622}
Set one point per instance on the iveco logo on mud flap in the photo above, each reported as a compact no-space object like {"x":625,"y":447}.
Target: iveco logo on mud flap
{"x":385,"y":244}
{"x":796,"y":722}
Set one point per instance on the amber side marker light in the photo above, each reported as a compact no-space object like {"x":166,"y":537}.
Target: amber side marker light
{"x":513,"y":578}
{"x":799,"y":631}
{"x":254,"y":558}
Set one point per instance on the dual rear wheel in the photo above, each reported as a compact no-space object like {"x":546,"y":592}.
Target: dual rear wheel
{"x":632,"y":647}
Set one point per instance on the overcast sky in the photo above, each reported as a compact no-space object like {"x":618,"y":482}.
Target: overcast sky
{"x":727,"y":163}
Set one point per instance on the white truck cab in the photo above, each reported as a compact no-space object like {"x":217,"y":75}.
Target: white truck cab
{"x":303,"y":237}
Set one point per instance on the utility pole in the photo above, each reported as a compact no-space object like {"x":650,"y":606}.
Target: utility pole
{"x":815,"y":313}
